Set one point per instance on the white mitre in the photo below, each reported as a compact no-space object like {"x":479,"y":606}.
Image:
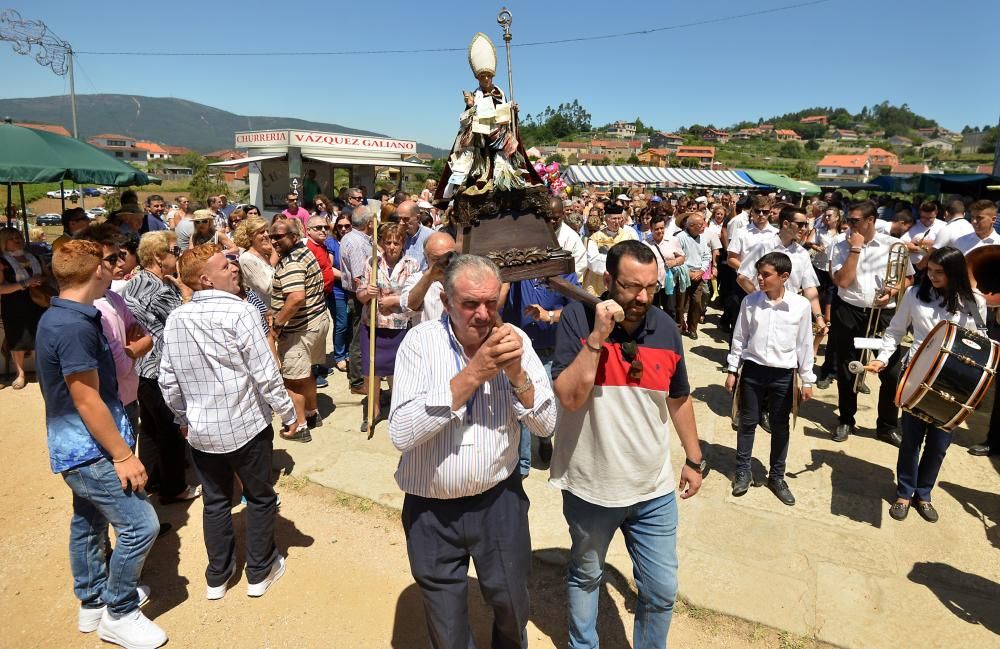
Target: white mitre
{"x":482,"y":55}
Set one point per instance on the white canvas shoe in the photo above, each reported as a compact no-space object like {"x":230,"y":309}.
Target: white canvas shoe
{"x":277,"y":569}
{"x":89,"y":618}
{"x":132,"y":631}
{"x":218,"y":592}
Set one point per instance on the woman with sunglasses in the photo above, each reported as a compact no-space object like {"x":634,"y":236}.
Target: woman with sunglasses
{"x":944,"y":293}
{"x":323,"y":206}
{"x":152,"y":295}
{"x":205,"y":232}
{"x":129,"y":265}
{"x":21,"y":272}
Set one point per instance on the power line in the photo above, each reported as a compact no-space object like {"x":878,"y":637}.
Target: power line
{"x":562,"y":41}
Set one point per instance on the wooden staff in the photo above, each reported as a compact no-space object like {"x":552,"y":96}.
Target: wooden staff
{"x":373,"y":310}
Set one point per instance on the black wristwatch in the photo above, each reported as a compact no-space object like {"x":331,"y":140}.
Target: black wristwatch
{"x":697,"y":466}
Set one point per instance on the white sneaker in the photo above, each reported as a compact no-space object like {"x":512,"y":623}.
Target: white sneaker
{"x":277,"y":569}
{"x":132,"y":631}
{"x":218,"y":592}
{"x":89,"y":618}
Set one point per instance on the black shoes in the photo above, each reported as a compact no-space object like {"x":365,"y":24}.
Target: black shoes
{"x":314,"y":420}
{"x":742,"y":483}
{"x":780,"y":489}
{"x":926,"y":510}
{"x":899,"y":510}
{"x":825,"y":382}
{"x":890,"y":437}
{"x":980,"y":450}
{"x":842,"y":432}
{"x":765,"y":422}
{"x":693,"y":335}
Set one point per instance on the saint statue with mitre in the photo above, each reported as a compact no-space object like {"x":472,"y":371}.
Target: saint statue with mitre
{"x":487,"y":154}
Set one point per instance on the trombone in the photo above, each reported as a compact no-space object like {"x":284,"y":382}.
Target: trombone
{"x":895,"y":267}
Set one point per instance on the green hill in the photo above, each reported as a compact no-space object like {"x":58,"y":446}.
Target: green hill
{"x":166,"y":120}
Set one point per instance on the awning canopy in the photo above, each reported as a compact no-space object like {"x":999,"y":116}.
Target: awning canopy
{"x":365,"y":162}
{"x":781,"y":181}
{"x":242,"y":161}
{"x":620,"y":174}
{"x":31,"y":156}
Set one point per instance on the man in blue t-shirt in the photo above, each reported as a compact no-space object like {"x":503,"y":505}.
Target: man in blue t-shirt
{"x":535,"y":308}
{"x":91,"y":445}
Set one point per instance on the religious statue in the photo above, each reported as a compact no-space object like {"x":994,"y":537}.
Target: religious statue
{"x":487,"y":155}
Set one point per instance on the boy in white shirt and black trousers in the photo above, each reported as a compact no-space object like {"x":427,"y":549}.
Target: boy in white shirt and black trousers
{"x":772,"y":341}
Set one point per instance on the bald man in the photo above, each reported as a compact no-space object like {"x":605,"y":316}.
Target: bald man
{"x":422,"y":291}
{"x":416,"y":233}
{"x":569,"y":240}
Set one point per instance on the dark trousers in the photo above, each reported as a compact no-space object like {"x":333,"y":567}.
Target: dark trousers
{"x":162,"y":448}
{"x":667,"y":302}
{"x":354,"y":373}
{"x":690,"y":305}
{"x":827,"y":295}
{"x":764,"y":387}
{"x":916,"y":472}
{"x":993,"y":436}
{"x":252,"y":463}
{"x":492,"y":529}
{"x":850,"y":322}
{"x":731,"y":302}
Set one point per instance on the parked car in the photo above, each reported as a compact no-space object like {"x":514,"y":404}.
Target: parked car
{"x":94,"y":212}
{"x":63,"y":193}
{"x":107,"y":189}
{"x":48,"y":219}
{"x":92,"y":191}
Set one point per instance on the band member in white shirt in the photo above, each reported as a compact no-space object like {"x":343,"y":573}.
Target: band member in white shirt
{"x":737,"y":246}
{"x":921,"y":237}
{"x":772,"y":342}
{"x":984,"y":216}
{"x":858,"y":265}
{"x":943,"y":294}
{"x":955,"y":226}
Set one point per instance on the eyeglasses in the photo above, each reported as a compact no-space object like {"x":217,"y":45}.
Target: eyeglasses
{"x":115,"y":258}
{"x":175,"y":251}
{"x":343,"y":226}
{"x":276,"y":237}
{"x":764,"y":211}
{"x":630,"y":353}
{"x":357,"y":198}
{"x":801,"y":224}
{"x":319,"y":228}
{"x":635,"y":290}
{"x":853,"y":220}
{"x":200,"y":221}
{"x":232,"y":258}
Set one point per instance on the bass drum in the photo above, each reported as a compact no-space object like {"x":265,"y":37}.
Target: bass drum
{"x":948,"y":376}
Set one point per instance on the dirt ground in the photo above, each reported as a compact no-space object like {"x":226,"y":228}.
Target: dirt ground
{"x":347,"y":585}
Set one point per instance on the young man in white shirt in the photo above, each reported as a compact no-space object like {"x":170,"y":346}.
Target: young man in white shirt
{"x":766,"y":366}
{"x":858,"y":266}
{"x":956,"y":226}
{"x":921,"y":237}
{"x":984,"y":215}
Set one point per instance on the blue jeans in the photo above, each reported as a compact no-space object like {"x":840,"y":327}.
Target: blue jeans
{"x":98,"y":499}
{"x":338,"y":313}
{"x":917,"y":472}
{"x":524,"y":449}
{"x":650,"y":531}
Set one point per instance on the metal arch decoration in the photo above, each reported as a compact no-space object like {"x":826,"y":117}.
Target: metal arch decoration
{"x":33,"y":36}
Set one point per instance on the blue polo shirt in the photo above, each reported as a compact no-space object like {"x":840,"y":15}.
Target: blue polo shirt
{"x":70,"y":340}
{"x":414,"y":246}
{"x":333,"y":247}
{"x":531,"y":291}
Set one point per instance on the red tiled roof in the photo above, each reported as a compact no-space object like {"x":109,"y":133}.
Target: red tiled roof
{"x":879,"y":153}
{"x":908,"y":169}
{"x":813,"y":118}
{"x":151,"y":147}
{"x":573,"y":145}
{"x":226,"y":154}
{"x":176,"y":150}
{"x":786,"y":131}
{"x":110,"y":136}
{"x":592,"y":156}
{"x":845,"y":161}
{"x":51,"y":128}
{"x":695,"y":151}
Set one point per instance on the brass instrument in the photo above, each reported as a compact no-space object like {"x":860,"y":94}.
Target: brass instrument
{"x":895,"y":269}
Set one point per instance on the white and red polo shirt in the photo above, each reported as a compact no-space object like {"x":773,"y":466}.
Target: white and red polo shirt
{"x":614,"y":451}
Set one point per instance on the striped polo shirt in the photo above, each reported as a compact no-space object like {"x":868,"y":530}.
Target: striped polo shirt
{"x":299,"y":271}
{"x":614,"y":451}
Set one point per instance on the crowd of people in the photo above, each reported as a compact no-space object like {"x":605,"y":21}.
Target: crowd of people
{"x":187,"y":330}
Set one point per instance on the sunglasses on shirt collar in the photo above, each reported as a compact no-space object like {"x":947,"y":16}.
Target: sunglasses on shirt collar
{"x":630,"y":353}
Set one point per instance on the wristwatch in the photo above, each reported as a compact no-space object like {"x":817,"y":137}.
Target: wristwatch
{"x":697,"y":466}
{"x":552,"y":317}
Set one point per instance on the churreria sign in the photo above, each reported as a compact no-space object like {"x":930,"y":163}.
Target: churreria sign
{"x":317,"y":140}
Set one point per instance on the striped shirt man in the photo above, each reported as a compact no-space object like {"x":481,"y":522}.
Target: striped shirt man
{"x":456,"y":453}
{"x":299,"y":271}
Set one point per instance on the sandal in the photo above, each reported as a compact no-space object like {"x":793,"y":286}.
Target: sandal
{"x":927,"y":511}
{"x":899,"y":510}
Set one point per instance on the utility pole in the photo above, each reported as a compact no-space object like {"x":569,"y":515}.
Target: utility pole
{"x":996,"y":153}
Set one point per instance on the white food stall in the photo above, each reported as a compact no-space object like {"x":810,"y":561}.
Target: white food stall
{"x":279,"y":160}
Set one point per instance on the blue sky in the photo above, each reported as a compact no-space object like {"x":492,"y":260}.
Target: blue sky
{"x":940,"y":58}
